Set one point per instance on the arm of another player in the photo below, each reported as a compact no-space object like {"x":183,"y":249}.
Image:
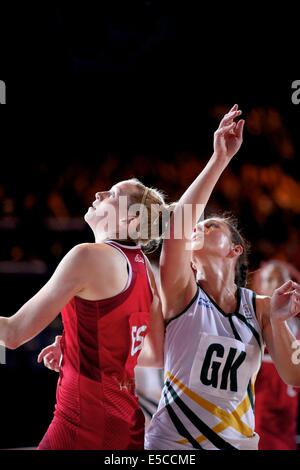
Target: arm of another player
{"x":178,"y":284}
{"x":67,"y":281}
{"x":274,"y":311}
{"x":152,"y":354}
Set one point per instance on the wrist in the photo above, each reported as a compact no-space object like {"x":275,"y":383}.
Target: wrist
{"x":220,"y":160}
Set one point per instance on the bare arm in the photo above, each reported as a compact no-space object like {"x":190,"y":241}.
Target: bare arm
{"x":152,"y":354}
{"x":274,"y":311}
{"x":177,"y":279}
{"x":67,"y":281}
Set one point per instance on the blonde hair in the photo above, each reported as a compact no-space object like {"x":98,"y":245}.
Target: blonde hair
{"x":154,"y":211}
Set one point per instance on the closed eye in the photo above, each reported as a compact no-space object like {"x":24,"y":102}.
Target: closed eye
{"x":212,"y":224}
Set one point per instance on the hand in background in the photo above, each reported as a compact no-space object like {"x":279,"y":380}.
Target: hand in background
{"x":285,"y":301}
{"x":51,"y":355}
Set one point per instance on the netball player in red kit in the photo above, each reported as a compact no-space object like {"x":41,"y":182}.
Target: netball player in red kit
{"x":109,"y":303}
{"x":276,"y":403}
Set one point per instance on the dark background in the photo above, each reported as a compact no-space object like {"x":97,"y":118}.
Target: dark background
{"x":126,"y":89}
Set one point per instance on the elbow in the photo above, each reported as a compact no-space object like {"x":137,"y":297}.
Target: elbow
{"x":12,"y":345}
{"x":11,"y":340}
{"x":9,"y":334}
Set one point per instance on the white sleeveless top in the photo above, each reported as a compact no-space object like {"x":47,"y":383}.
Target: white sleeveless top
{"x":211,"y":362}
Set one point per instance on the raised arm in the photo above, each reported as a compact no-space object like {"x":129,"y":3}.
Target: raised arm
{"x":281,"y":343}
{"x":152,"y":354}
{"x":177,"y":279}
{"x":68,"y":280}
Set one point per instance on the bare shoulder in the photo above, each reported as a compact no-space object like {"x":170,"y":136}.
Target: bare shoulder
{"x":88,"y":254}
{"x":92,"y":248}
{"x":80,"y":253}
{"x":81,"y":249}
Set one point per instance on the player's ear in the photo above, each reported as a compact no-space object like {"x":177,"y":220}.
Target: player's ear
{"x":236,"y":251}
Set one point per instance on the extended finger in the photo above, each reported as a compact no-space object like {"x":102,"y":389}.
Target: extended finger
{"x":233,"y":129}
{"x":229,"y":117}
{"x":239,"y":128}
{"x":234,"y":108}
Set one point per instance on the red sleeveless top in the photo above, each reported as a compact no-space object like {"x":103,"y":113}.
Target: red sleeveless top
{"x":96,"y":405}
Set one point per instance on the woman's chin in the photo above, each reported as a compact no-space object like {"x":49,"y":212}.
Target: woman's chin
{"x":197,"y":245}
{"x":87,"y":216}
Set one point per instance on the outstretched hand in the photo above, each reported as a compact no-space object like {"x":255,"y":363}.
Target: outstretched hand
{"x":285,"y":301}
{"x":51,"y":355}
{"x":228,"y":137}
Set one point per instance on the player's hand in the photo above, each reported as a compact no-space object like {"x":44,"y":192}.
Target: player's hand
{"x":228,"y":137}
{"x":51,"y":355}
{"x":285,"y":302}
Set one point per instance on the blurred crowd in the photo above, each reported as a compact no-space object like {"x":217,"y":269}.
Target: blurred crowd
{"x":41,"y":212}
{"x":41,"y":209}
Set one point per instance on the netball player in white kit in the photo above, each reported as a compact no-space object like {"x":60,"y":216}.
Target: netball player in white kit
{"x":216,"y":329}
